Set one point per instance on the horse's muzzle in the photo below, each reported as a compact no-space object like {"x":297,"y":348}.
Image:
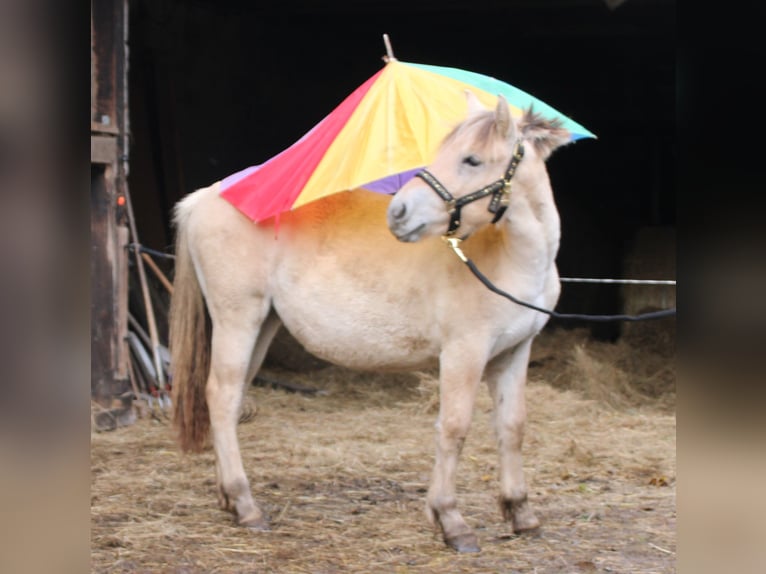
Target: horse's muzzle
{"x":400,"y":223}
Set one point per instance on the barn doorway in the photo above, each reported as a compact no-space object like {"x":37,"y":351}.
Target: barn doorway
{"x":216,"y":86}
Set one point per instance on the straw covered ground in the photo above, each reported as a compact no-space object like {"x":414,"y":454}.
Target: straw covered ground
{"x":343,"y":475}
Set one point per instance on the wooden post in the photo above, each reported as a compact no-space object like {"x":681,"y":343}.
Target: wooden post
{"x":109,"y":235}
{"x":109,"y":375}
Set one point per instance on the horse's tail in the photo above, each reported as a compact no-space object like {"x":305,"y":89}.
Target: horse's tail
{"x":189,"y":343}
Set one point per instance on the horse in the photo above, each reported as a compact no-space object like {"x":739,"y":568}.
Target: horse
{"x":363,"y":280}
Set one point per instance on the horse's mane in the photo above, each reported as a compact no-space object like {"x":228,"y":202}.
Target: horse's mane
{"x":533,"y":121}
{"x":480,"y":125}
{"x":533,"y":126}
{"x":545,"y":134}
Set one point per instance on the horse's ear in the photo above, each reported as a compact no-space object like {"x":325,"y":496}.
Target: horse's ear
{"x":505,"y":126}
{"x":474,"y":105}
{"x":545,"y":135}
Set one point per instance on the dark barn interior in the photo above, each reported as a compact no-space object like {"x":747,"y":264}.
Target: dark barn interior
{"x":219,"y":85}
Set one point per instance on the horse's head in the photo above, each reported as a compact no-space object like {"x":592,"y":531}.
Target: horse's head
{"x":467,"y":185}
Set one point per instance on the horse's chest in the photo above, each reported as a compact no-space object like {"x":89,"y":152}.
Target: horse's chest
{"x":514,"y":323}
{"x":525,"y":326}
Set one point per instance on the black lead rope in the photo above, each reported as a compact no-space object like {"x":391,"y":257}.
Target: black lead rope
{"x":453,"y":243}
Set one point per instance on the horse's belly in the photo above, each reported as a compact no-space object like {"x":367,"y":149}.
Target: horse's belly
{"x":356,"y":333}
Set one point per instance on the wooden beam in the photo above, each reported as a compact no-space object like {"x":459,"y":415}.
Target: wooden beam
{"x":103,"y":149}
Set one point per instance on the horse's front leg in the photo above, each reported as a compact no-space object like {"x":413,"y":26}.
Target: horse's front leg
{"x":460,"y":373}
{"x":507,"y":376}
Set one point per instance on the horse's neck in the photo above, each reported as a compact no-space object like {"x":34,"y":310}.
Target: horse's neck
{"x":530,"y":228}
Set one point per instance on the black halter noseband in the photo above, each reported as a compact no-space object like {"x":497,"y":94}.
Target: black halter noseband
{"x":499,"y":190}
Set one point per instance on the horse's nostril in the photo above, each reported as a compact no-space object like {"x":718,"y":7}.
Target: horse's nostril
{"x":399,"y":213}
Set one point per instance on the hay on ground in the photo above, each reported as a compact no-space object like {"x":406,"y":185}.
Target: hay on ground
{"x":343,"y":476}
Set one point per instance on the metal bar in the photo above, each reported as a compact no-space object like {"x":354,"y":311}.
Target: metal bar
{"x":618,"y":281}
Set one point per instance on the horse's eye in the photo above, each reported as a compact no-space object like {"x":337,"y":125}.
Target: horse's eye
{"x":472,"y":160}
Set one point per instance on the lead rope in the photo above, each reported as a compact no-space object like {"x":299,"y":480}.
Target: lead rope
{"x":454,"y":243}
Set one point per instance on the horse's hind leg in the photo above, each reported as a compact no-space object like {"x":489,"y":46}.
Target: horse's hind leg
{"x":266,"y":335}
{"x":235,"y":334}
{"x":506,"y":376}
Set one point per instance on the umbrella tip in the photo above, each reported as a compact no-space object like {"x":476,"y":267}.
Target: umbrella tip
{"x":389,"y":57}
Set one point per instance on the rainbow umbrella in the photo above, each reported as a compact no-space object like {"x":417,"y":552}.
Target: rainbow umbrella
{"x":377,"y":138}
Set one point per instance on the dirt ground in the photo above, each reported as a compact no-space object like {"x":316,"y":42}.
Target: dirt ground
{"x":343,"y":475}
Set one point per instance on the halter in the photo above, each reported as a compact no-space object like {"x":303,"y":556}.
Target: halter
{"x":500,"y":191}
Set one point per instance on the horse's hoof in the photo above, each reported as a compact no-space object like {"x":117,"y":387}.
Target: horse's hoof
{"x":256,"y":520}
{"x":247,"y":411}
{"x":526,"y":529}
{"x":464,"y":543}
{"x":524,"y":520}
{"x":519,"y":513}
{"x":257,"y":524}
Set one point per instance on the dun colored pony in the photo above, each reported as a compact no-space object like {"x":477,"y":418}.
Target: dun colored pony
{"x":368,"y":296}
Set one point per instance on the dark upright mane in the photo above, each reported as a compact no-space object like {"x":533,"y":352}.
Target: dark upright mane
{"x":541,"y":132}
